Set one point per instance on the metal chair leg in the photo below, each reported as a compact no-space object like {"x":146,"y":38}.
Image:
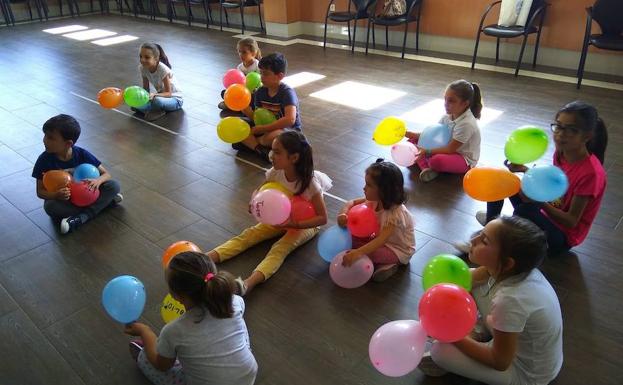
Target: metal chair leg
{"x":523,"y":46}
{"x":475,"y":50}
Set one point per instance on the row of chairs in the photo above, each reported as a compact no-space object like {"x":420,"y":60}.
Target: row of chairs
{"x":608,"y":14}
{"x":137,"y":6}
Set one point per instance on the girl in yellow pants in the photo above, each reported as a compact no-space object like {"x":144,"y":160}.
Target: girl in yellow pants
{"x":293,"y":169}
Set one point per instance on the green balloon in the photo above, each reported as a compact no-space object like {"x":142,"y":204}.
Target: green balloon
{"x":262,"y":116}
{"x":446,"y":268}
{"x":135,"y":96}
{"x":526,"y":144}
{"x":254,"y":81}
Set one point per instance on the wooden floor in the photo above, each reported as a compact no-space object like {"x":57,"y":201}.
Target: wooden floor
{"x":186,"y":184}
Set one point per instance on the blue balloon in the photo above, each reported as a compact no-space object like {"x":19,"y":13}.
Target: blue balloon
{"x":86,"y":171}
{"x":333,"y":241}
{"x":544,"y":183}
{"x":124,"y":298}
{"x":435,"y":136}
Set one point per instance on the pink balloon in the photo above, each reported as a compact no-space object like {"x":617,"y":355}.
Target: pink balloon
{"x":362,"y":221}
{"x":233,"y":76}
{"x":404,"y":153}
{"x":302,"y":209}
{"x":271,"y":206}
{"x":352,"y":276}
{"x":396,"y":348}
{"x":447,"y":312}
{"x":81,"y":195}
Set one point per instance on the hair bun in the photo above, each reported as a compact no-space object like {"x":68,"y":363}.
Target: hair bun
{"x":379,"y":160}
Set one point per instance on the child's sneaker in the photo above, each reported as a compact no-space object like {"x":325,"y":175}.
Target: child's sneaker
{"x":481,"y":217}
{"x":383,"y":272}
{"x":428,"y":174}
{"x":70,"y":224}
{"x":116,"y":201}
{"x":135,"y":346}
{"x":262,"y":152}
{"x":242,"y":287}
{"x":137,"y":111}
{"x":429,"y":367}
{"x":222,"y":106}
{"x":463,"y":247}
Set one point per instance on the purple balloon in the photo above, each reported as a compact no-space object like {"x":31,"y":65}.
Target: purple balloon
{"x":352,"y":276}
{"x":271,"y":206}
{"x":396,"y":348}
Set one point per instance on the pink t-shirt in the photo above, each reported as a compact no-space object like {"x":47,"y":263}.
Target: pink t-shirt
{"x":402,"y":240}
{"x":587,"y":178}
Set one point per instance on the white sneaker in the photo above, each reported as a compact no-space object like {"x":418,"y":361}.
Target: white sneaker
{"x":463,"y":247}
{"x":428,"y":174}
{"x":242,"y":287}
{"x":481,"y":217}
{"x":427,"y":365}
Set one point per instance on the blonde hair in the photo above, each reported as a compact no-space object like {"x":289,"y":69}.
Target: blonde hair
{"x":250,"y":44}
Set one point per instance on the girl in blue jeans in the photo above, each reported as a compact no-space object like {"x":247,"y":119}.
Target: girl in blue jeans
{"x":155,"y":70}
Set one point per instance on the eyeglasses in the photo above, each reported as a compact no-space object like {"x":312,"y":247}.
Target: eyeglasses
{"x":558,"y":128}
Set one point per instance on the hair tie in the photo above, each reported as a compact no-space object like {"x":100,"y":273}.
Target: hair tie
{"x":208,"y":277}
{"x":304,"y":142}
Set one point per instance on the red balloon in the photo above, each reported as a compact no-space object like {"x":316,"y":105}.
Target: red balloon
{"x":81,"y":195}
{"x":301,"y":209}
{"x":362,"y":221}
{"x":447,"y":312}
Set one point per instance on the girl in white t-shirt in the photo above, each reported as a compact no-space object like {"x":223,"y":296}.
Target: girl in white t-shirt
{"x":395,"y":243}
{"x":519,"y":308}
{"x":250,"y":55}
{"x":156,"y":73}
{"x":293,"y":168}
{"x":209,"y":343}
{"x":463,"y":103}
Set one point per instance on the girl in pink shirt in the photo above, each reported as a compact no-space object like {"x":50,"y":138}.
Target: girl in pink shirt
{"x":581,"y":138}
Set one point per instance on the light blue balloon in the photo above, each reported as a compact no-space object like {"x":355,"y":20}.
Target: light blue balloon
{"x":124,"y":298}
{"x":333,"y":241}
{"x":435,"y":136}
{"x":544,"y":183}
{"x":85,"y":171}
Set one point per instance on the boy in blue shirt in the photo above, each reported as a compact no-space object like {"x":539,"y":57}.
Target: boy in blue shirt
{"x":60,"y":135}
{"x":277,"y":97}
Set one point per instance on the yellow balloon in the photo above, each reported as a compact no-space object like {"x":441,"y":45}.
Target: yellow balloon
{"x":171,"y":309}
{"x":390,"y":131}
{"x":233,"y":130}
{"x":276,"y":186}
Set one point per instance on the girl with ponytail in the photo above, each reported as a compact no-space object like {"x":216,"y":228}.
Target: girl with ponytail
{"x":581,"y":139}
{"x":463,"y":104}
{"x":209,"y":343}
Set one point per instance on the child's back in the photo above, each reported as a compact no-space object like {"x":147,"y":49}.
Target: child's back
{"x":213,"y":350}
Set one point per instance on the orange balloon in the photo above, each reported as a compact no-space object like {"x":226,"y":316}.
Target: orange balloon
{"x":175,"y":249}
{"x":237,"y":97}
{"x":489,"y":184}
{"x":55,"y":180}
{"x":110,"y":97}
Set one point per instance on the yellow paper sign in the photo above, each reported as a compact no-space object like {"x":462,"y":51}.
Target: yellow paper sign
{"x":171,"y":309}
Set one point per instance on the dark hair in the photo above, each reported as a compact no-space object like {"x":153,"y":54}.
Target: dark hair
{"x":588,"y":121}
{"x":470,"y":92}
{"x":66,"y":125}
{"x":274,"y":62}
{"x":195,"y":276}
{"x":158,"y":53}
{"x":389,"y":180}
{"x":251,"y":45}
{"x":295,"y":142}
{"x":523,"y":241}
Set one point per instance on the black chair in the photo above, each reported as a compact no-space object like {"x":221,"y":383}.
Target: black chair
{"x":39,"y":5}
{"x":188,"y":5}
{"x":537,"y":11}
{"x":609,"y":15}
{"x":361,"y":11}
{"x":7,"y":12}
{"x":412,"y":14}
{"x":225,"y":5}
{"x":73,"y":7}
